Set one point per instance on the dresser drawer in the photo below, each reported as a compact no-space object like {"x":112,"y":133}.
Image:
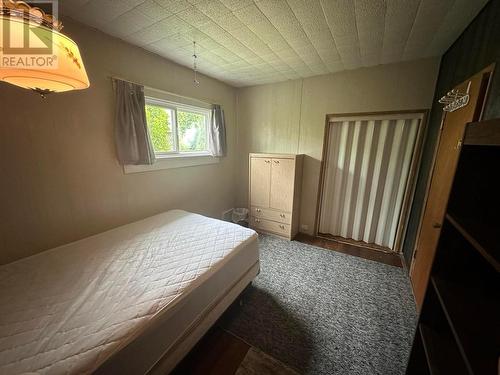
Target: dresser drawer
{"x":265,"y":213}
{"x":270,"y":226}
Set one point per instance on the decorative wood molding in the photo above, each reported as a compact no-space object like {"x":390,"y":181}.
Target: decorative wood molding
{"x":25,"y":11}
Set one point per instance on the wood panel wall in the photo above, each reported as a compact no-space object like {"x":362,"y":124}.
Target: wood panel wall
{"x":476,"y":48}
{"x":289,"y":117}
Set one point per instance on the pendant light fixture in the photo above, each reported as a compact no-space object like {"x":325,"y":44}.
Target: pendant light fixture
{"x":34,"y":54}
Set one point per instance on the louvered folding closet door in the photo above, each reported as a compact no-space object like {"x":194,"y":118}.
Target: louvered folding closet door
{"x":366,"y":176}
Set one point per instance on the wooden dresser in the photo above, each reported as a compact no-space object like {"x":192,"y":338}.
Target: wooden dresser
{"x":274,"y":193}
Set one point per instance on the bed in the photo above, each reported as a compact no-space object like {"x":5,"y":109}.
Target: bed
{"x":131,"y":300}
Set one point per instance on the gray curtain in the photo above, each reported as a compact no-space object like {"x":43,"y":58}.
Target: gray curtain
{"x":133,"y":144}
{"x":217,"y":136}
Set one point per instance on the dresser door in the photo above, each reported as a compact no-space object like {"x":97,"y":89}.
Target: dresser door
{"x":282,"y":184}
{"x":260,"y":181}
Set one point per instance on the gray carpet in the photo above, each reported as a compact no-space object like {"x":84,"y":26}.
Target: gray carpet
{"x":322,"y":312}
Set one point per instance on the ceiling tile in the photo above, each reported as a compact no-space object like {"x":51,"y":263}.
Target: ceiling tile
{"x":246,"y":42}
{"x":150,"y":34}
{"x":454,"y":24}
{"x":312,"y":19}
{"x":341,"y":19}
{"x":264,"y":28}
{"x":229,"y":22}
{"x":213,"y":9}
{"x":236,"y":4}
{"x":194,"y":17}
{"x":174,"y":6}
{"x":152,"y":10}
{"x":273,"y":7}
{"x":370,"y":22}
{"x":128,"y":23}
{"x":249,"y":15}
{"x":428,"y":18}
{"x":213,"y":30}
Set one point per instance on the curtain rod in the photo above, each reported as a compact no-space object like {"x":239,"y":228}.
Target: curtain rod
{"x":204,"y":101}
{"x":374,"y":117}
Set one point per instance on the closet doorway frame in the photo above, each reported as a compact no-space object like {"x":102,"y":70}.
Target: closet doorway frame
{"x":410,"y":188}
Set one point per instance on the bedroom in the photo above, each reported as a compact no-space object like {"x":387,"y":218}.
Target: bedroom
{"x":177,"y":112}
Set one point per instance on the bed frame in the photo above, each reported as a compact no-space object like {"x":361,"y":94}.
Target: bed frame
{"x":147,"y":354}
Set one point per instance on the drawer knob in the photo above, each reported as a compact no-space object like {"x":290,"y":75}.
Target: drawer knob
{"x":267,"y":161}
{"x":277,"y":161}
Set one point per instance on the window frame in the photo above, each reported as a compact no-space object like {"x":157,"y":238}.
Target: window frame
{"x":175,"y":107}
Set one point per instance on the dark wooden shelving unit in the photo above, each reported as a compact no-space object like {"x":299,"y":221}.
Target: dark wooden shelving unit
{"x":459,"y":325}
{"x":490,"y":256}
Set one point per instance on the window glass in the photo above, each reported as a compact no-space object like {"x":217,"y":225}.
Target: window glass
{"x":177,"y":129}
{"x":192,"y":131}
{"x":160,"y":120}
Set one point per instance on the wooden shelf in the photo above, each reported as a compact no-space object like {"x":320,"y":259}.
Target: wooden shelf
{"x":459,"y":330}
{"x":425,"y":336}
{"x":418,"y":363}
{"x":441,"y":352}
{"x":472,"y":334}
{"x":487,"y":235}
{"x":484,"y":133}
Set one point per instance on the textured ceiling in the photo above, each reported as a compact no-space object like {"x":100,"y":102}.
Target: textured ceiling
{"x":249,"y":42}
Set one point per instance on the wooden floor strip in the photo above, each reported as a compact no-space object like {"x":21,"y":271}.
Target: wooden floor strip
{"x":218,"y":352}
{"x":392,"y":259}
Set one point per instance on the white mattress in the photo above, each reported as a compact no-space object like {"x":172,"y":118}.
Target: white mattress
{"x":80,"y":306}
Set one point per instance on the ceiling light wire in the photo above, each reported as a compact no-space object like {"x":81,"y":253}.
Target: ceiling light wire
{"x":195,"y":65}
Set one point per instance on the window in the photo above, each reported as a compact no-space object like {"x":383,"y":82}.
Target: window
{"x":177,"y":129}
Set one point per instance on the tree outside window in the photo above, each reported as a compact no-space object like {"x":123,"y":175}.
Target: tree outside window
{"x":176,"y":129}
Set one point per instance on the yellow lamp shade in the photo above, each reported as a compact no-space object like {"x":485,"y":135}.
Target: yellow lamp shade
{"x":36,"y":57}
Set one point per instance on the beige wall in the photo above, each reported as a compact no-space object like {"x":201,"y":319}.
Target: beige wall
{"x":60,"y":180}
{"x":289,"y":117}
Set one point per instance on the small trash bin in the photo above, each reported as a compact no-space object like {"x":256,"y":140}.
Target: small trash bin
{"x":240,"y":216}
